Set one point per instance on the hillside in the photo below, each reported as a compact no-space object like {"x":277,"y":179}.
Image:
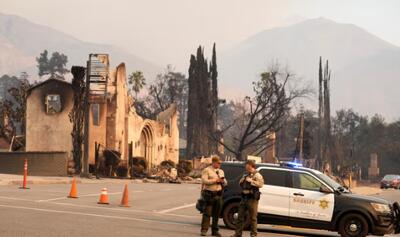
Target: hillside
{"x":21,"y":41}
{"x":362,"y":64}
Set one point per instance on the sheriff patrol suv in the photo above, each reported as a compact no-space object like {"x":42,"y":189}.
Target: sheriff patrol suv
{"x":306,"y":198}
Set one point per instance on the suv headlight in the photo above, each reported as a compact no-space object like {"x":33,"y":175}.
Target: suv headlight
{"x":382,"y":208}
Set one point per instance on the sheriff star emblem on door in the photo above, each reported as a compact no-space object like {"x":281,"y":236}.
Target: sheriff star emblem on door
{"x":323,"y":203}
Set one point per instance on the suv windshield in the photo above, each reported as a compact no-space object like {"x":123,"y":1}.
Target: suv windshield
{"x":332,"y":183}
{"x":389,"y":177}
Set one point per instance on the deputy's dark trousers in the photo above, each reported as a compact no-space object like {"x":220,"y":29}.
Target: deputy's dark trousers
{"x":247,"y":206}
{"x":212,"y":209}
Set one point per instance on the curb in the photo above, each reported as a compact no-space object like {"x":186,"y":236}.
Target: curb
{"x":32,"y":182}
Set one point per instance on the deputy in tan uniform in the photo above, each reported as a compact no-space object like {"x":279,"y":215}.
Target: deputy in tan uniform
{"x":213,"y":179}
{"x":251,"y":182}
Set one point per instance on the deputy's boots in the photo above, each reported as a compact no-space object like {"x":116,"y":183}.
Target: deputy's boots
{"x":216,"y":234}
{"x":204,"y":233}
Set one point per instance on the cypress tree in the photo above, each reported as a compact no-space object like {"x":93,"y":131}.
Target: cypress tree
{"x":192,"y":113}
{"x":202,"y":111}
{"x":214,"y":98}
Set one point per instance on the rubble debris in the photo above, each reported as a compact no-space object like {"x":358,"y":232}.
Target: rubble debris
{"x":112,"y":159}
{"x":184,"y":167}
{"x":138,"y":167}
{"x":166,"y":172}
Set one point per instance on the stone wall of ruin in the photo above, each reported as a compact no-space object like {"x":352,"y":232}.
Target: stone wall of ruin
{"x":49,"y":132}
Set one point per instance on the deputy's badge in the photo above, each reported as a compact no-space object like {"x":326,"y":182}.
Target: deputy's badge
{"x":323,"y":204}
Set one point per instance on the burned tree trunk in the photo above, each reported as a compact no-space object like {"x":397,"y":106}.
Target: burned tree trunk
{"x":324,"y":117}
{"x":320,"y":115}
{"x":77,"y":115}
{"x":327,"y":116}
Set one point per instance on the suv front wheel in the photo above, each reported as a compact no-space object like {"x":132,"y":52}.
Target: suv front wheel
{"x":230,"y":215}
{"x":353,"y":225}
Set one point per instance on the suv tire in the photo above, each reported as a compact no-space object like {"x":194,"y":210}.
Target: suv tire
{"x":229,"y":218}
{"x":353,"y":225}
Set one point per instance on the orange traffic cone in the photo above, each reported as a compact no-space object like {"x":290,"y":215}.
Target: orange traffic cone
{"x":103,"y":197}
{"x":74,"y":191}
{"x":125,"y":197}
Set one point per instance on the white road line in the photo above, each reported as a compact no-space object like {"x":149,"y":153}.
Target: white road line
{"x":16,"y":199}
{"x":176,"y":208}
{"x":49,"y":191}
{"x":95,"y":215}
{"x":86,"y":195}
{"x":162,"y":212}
{"x":124,"y":210}
{"x":99,"y":207}
{"x":53,"y":199}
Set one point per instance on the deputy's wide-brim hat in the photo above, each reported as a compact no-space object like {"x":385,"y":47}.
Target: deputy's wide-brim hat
{"x":216,"y":159}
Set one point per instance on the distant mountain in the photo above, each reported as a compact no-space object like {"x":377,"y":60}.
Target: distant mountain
{"x":12,"y":58}
{"x":365,"y":68}
{"x":21,"y":41}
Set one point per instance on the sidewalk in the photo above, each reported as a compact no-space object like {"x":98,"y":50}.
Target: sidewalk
{"x":11,"y":179}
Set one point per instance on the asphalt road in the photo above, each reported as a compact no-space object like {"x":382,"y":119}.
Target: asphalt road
{"x":159,"y":210}
{"x":390,"y":195}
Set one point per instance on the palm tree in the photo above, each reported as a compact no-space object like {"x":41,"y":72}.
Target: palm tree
{"x":137,"y":82}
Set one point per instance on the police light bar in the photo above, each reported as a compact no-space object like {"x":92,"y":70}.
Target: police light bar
{"x":291,"y":164}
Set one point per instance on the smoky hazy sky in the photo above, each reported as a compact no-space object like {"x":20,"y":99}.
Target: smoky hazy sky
{"x":168,"y":31}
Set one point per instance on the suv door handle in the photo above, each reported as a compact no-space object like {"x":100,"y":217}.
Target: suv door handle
{"x":298,"y":194}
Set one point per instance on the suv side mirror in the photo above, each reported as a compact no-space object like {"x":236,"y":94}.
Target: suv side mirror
{"x":324,"y":189}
